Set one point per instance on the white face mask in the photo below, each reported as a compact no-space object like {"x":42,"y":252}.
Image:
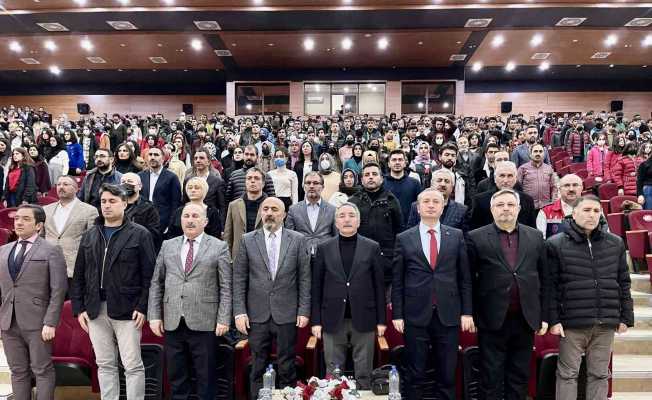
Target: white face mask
{"x":439,"y":141}
{"x":601,"y":142}
{"x":325,"y":164}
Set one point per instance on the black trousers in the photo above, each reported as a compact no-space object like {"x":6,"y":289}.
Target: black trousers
{"x":186,"y":352}
{"x":260,"y":342}
{"x":505,"y":359}
{"x":435,"y":341}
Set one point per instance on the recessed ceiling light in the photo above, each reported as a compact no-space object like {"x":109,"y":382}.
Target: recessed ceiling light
{"x":611,"y":40}
{"x":383,"y":43}
{"x":536,"y":40}
{"x":578,"y":65}
{"x":168,"y":2}
{"x":544,"y":66}
{"x":270,"y":44}
{"x":308,"y":44}
{"x":55,"y":70}
{"x":122,"y":25}
{"x":86,"y":45}
{"x":52,"y":26}
{"x":123,"y":2}
{"x":258,"y":2}
{"x":420,"y":43}
{"x":96,"y":60}
{"x":50,"y":45}
{"x":611,"y":65}
{"x":457,"y":57}
{"x":15,"y":47}
{"x":647,"y":41}
{"x":601,"y":55}
{"x":196,"y":44}
{"x":185,"y":70}
{"x":498,"y":41}
{"x":645,"y":66}
{"x":159,"y":44}
{"x":223,"y":53}
{"x":158,"y":60}
{"x":207,"y":25}
{"x":123,"y":45}
{"x":640,"y":22}
{"x":154,"y":70}
{"x":346,"y":44}
{"x":367,"y":35}
{"x":575,"y":40}
{"x":540,"y":56}
{"x":81,"y":2}
{"x":445,"y":105}
{"x":477,"y":23}
{"x":570,"y":21}
{"x":30,"y":61}
{"x":510,"y":66}
{"x":477,"y":66}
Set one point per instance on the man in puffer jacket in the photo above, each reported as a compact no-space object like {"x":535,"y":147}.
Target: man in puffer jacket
{"x":590,"y":299}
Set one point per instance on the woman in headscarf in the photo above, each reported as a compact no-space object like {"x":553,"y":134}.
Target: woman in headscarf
{"x":329,"y":171}
{"x":348,"y":186}
{"x":423,"y":165}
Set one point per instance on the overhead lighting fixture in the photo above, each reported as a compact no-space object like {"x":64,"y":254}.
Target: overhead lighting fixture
{"x":196,"y":44}
{"x":647,"y":41}
{"x":536,"y":40}
{"x":55,"y":70}
{"x":445,"y":105}
{"x":571,"y":21}
{"x":477,"y":66}
{"x":498,"y":41}
{"x":122,"y":25}
{"x":639,"y":22}
{"x":477,"y":22}
{"x":86,"y":45}
{"x":168,"y":2}
{"x":81,"y":2}
{"x":611,"y":65}
{"x":510,"y":66}
{"x":207,"y":25}
{"x":258,"y":2}
{"x":50,"y":45}
{"x":223,"y":53}
{"x":601,"y":55}
{"x":308,"y":44}
{"x":383,"y":43}
{"x":52,"y":26}
{"x":96,"y":60}
{"x":30,"y":61}
{"x":544,"y":66}
{"x":248,"y":106}
{"x":347,"y":43}
{"x":540,"y":56}
{"x":420,"y":105}
{"x":15,"y":47}
{"x":158,"y":60}
{"x":611,"y":40}
{"x":457,"y":57}
{"x":123,"y":2}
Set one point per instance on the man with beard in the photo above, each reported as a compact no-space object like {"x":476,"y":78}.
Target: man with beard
{"x":117,"y":133}
{"x":552,"y":218}
{"x":521,"y":153}
{"x":464,"y":183}
{"x":271,"y":294}
{"x":537,"y":179}
{"x":160,"y":186}
{"x":404,"y":187}
{"x":203,"y":168}
{"x":489,"y":183}
{"x":236,"y":186}
{"x":102,"y":173}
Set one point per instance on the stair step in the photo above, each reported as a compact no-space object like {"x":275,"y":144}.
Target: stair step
{"x":632,"y":373}
{"x":634,"y":341}
{"x":631,"y":396}
{"x":641,"y":283}
{"x":643,"y":317}
{"x":641,"y":298}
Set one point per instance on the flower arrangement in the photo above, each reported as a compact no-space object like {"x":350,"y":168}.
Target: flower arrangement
{"x":329,"y":388}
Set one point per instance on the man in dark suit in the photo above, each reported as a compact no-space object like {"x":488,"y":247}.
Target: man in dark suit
{"x":271,"y":292}
{"x":511,"y":294}
{"x":431,"y":296}
{"x":454,"y":214}
{"x":33,"y":283}
{"x":505,"y":176}
{"x":348,"y":300}
{"x":160,"y":186}
{"x":202,"y":168}
{"x":313,"y":217}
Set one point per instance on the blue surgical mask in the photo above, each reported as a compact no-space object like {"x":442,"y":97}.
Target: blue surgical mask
{"x":279,"y":162}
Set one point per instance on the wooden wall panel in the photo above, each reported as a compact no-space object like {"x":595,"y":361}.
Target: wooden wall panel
{"x":531,"y":103}
{"x":170,"y":106}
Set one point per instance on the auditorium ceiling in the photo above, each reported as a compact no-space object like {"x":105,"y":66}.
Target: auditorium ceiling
{"x":218,"y":40}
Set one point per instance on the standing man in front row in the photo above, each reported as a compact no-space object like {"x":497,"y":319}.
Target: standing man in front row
{"x":431,"y":296}
{"x":190,"y":299}
{"x":109,"y":294}
{"x":348,"y":295}
{"x":271,"y":292}
{"x":33,"y":284}
{"x":511,"y":293}
{"x":594,"y":309}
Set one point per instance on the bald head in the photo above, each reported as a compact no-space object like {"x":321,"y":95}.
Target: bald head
{"x":570,"y":189}
{"x":272,"y":213}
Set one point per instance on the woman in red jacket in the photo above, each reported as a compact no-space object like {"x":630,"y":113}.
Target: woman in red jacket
{"x":624,"y":172}
{"x":596,"y":162}
{"x":613,"y":156}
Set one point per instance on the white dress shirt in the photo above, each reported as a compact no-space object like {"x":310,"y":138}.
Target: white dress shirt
{"x":278,"y":233}
{"x":185,"y":247}
{"x":28,"y":247}
{"x":425,"y":238}
{"x":313,"y":213}
{"x":153,"y":178}
{"x":62,"y":213}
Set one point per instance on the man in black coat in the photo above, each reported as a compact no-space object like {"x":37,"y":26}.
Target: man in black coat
{"x":431,"y":296}
{"x":505,"y":178}
{"x":586,"y":311}
{"x":511,"y":297}
{"x":140,"y":210}
{"x":117,"y":133}
{"x":348,"y":300}
{"x":160,"y":186}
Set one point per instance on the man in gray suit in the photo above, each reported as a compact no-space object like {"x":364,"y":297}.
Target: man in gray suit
{"x":313,"y":217}
{"x":190,"y":298}
{"x":271,"y":292}
{"x":33,"y":284}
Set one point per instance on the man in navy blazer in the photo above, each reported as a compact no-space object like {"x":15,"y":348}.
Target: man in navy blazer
{"x":431,"y":296}
{"x":166,"y":190}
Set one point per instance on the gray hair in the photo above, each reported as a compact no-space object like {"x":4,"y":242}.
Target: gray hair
{"x":314,"y":173}
{"x":348,"y":204}
{"x":505,"y":191}
{"x":429,"y":190}
{"x":443,"y":171}
{"x":504,"y":165}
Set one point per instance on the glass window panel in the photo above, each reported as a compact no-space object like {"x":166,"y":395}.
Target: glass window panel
{"x":317,"y":98}
{"x":428,"y":97}
{"x":262,"y":98}
{"x":372,"y":98}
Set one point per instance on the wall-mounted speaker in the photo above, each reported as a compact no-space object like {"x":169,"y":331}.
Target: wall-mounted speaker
{"x":188,"y":109}
{"x":506,"y":107}
{"x":83,"y":108}
{"x":616,"y":105}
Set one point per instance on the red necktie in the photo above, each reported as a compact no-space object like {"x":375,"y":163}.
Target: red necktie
{"x":188,"y":265}
{"x":433,"y":249}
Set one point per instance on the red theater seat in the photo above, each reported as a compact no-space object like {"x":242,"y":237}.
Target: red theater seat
{"x":45,"y":200}
{"x":7,"y":218}
{"x":607,"y":190}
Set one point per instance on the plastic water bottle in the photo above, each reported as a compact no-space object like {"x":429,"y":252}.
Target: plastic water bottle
{"x":394,"y":384}
{"x":268,"y":379}
{"x":273,"y":371}
{"x":337,"y":372}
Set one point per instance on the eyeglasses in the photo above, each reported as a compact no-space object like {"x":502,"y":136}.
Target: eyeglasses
{"x":571,"y":185}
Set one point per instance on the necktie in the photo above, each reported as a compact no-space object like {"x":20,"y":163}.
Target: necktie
{"x":271,"y":255}
{"x":433,"y":249}
{"x":19,"y":258}
{"x":188,"y":264}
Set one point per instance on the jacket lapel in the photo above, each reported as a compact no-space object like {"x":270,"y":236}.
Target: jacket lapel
{"x":337,"y":257}
{"x":203,"y":247}
{"x":28,"y":257}
{"x":73,"y":212}
{"x":285,"y":244}
{"x":495,"y":242}
{"x":416,"y":239}
{"x":356,"y":259}
{"x":176,"y":249}
{"x":521,"y":248}
{"x":243,"y":213}
{"x":304,"y":211}
{"x":260,"y":242}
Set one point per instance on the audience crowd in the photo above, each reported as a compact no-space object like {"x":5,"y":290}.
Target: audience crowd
{"x":252,"y":227}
